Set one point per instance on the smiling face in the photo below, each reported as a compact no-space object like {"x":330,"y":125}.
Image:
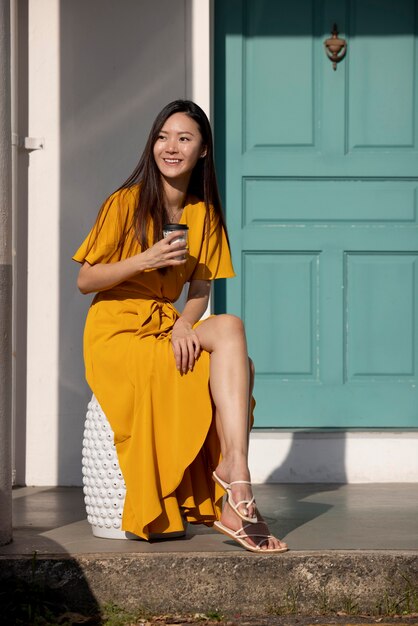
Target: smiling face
{"x":178,"y":148}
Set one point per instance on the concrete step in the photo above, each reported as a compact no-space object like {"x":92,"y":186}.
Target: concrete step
{"x":354,"y":549}
{"x":306,"y":583}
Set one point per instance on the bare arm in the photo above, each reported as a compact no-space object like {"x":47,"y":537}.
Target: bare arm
{"x":186,"y":345}
{"x":103,"y":276}
{"x":197,"y":301}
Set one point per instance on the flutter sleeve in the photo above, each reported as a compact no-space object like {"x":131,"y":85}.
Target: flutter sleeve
{"x":214,"y":258}
{"x":104,"y":242}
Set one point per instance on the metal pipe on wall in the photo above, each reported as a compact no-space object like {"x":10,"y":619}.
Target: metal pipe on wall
{"x":5,"y":279}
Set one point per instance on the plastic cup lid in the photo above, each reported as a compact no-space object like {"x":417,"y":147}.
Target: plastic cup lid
{"x":174,"y":227}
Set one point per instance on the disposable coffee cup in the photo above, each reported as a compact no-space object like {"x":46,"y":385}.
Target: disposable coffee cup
{"x":181,"y":229}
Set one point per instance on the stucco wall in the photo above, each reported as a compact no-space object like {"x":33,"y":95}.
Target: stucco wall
{"x":92,"y":75}
{"x":98,"y":72}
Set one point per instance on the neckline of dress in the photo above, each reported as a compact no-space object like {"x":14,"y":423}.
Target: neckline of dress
{"x":183,"y":213}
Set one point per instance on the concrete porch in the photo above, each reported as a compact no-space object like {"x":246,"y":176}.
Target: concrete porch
{"x":354,"y":548}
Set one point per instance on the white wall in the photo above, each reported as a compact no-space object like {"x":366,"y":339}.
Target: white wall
{"x":43,"y":242}
{"x":99,"y":71}
{"x":334,"y":456}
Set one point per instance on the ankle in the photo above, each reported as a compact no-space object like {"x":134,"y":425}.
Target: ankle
{"x":234,"y":457}
{"x":235,"y":467}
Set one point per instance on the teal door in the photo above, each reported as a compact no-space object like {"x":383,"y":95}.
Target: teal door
{"x":321,"y":190}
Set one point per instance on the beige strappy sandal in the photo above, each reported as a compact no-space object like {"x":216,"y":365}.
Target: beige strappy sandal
{"x":235,"y":505}
{"x":241,"y":539}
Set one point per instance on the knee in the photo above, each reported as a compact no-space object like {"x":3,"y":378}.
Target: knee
{"x":231,"y":325}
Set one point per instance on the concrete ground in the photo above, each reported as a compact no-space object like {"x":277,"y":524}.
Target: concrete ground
{"x":308,"y":517}
{"x":354,"y":549}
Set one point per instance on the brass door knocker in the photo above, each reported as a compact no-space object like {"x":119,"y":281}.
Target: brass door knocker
{"x":335,"y":47}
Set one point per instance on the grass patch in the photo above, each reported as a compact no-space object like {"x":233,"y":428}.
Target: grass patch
{"x":289,"y":605}
{"x":214,"y":616}
{"x":404,"y":603}
{"x":349,"y":606}
{"x":114,"y":615}
{"x":400,"y":603}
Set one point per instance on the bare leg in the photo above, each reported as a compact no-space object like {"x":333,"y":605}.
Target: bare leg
{"x":250,"y":392}
{"x":223,"y":336}
{"x":231,"y":379}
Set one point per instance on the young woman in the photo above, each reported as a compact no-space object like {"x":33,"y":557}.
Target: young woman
{"x":176,"y":390}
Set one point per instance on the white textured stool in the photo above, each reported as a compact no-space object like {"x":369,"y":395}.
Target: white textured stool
{"x":103,"y":485}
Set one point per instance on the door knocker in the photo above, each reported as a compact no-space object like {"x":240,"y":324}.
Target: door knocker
{"x":335,"y":47}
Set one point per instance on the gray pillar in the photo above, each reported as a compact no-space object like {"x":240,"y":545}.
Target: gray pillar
{"x":5,"y":279}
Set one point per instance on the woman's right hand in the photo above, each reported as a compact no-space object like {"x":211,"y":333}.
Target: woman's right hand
{"x":102,"y":276}
{"x":164,"y":253}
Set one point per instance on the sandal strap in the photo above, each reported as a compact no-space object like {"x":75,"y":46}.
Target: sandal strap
{"x":240,"y":482}
{"x":244,"y":482}
{"x":266,"y":537}
{"x":251,"y":536}
{"x":242,"y":529}
{"x":246,"y":502}
{"x":263,"y":538}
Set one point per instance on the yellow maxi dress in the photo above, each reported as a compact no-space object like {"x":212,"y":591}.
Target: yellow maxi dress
{"x":163,"y":421}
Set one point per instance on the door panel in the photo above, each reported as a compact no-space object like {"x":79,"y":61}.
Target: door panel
{"x":380,"y":293}
{"x":382,"y":75}
{"x":263,"y":126}
{"x":321,"y":178}
{"x":292,"y":298}
{"x":328,"y":201}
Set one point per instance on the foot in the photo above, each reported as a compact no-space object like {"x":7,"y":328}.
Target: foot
{"x":230,"y":470}
{"x":231,"y":520}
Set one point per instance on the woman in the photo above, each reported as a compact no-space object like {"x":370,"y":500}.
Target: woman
{"x":175,"y":390}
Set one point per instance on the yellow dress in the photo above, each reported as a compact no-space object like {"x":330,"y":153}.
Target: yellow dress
{"x":163,"y":421}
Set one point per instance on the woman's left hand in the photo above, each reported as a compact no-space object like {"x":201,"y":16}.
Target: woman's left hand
{"x":186,"y":345}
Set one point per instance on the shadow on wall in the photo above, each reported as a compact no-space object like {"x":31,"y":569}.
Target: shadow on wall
{"x":115,"y":76}
{"x":312,"y":457}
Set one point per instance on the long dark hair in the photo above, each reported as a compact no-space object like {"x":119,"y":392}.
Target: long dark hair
{"x":203,"y":184}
